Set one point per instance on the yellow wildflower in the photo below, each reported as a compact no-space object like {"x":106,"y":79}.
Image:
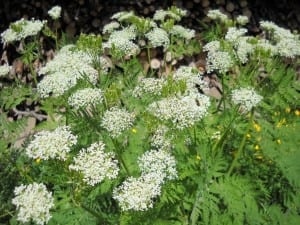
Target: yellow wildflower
{"x":259,"y":157}
{"x":248,"y":136}
{"x":256,"y":147}
{"x":37,"y":160}
{"x":134,"y":130}
{"x":288,"y":110}
{"x":198,"y":157}
{"x":257,"y":127}
{"x":297,"y":112}
{"x":281,"y":122}
{"x":278,"y":141}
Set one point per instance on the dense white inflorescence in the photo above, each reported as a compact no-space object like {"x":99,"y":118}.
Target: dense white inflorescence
{"x":218,"y":61}
{"x":242,"y":20}
{"x":55,"y":12}
{"x":51,"y":144}
{"x":160,"y":162}
{"x":63,"y":72}
{"x":160,"y":140}
{"x":183,"y":32}
{"x":182,"y":111}
{"x":95,"y":164}
{"x":21,"y":29}
{"x":33,"y":203}
{"x":158,"y":37}
{"x":216,"y":14}
{"x":110,"y":27}
{"x":138,"y":193}
{"x":246,"y":98}
{"x":86,"y":97}
{"x":4,"y":70}
{"x":152,"y":86}
{"x":117,"y":120}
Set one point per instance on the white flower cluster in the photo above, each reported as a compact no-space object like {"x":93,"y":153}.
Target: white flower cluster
{"x":63,"y":72}
{"x":158,"y":37}
{"x":4,"y":70}
{"x":218,"y":61}
{"x":55,"y":12}
{"x":123,"y":41}
{"x":33,"y":202}
{"x":121,"y":16}
{"x":138,"y":193}
{"x":183,"y":112}
{"x":110,"y":27}
{"x":192,"y":77}
{"x":286,"y":44}
{"x":243,"y":49}
{"x":160,"y":162}
{"x":116,"y":120}
{"x":247,"y":98}
{"x":212,"y":46}
{"x":86,"y":97}
{"x":95,"y":164}
{"x":216,"y":14}
{"x":242,"y":20}
{"x":183,"y":32}
{"x":51,"y":144}
{"x":21,"y":29}
{"x":160,"y":14}
{"x":159,"y":139}
{"x":233,"y":34}
{"x":150,"y":86}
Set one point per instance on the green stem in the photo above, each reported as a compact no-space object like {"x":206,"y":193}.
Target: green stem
{"x":33,"y":73}
{"x":119,"y":156}
{"x":195,"y":215}
{"x":94,"y":213}
{"x":241,"y":147}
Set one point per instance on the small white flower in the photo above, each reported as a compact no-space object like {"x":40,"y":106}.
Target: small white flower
{"x":160,"y":140}
{"x":110,"y":27}
{"x":218,"y":61}
{"x":158,"y":37}
{"x":33,"y":202}
{"x":247,"y":98}
{"x":212,"y":46}
{"x":217,"y":15}
{"x":95,"y":164}
{"x":55,"y":12}
{"x":149,"y":85}
{"x":51,"y":144}
{"x":243,"y":49}
{"x":116,"y":120}
{"x":183,"y":32}
{"x":242,"y":20}
{"x":85,"y":97}
{"x":138,"y":193}
{"x":4,"y":70}
{"x":233,"y":34}
{"x":160,"y":162}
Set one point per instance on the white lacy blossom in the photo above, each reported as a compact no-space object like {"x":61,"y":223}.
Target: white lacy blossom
{"x":160,"y":140}
{"x":242,"y":20}
{"x":216,"y":14}
{"x":86,"y":97}
{"x":33,"y":203}
{"x":247,"y":98}
{"x":63,"y":72}
{"x":183,"y":32}
{"x":176,"y":14}
{"x":117,"y":120}
{"x":158,"y":37}
{"x":160,"y":162}
{"x":243,"y":49}
{"x":150,"y":86}
{"x":4,"y":70}
{"x":51,"y":144}
{"x":21,"y":29}
{"x":95,"y":164}
{"x":233,"y":34}
{"x":110,"y":27}
{"x":138,"y":193}
{"x":212,"y":46}
{"x":55,"y":12}
{"x":218,"y":61}
{"x":183,"y":112}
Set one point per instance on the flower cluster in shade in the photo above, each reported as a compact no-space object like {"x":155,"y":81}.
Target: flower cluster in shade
{"x":173,"y":13}
{"x":95,"y":164}
{"x":33,"y":203}
{"x":158,"y":37}
{"x":54,"y":144}
{"x":55,"y":12}
{"x":246,"y":98}
{"x":152,"y":86}
{"x":116,"y":121}
{"x":286,"y":43}
{"x":64,"y":71}
{"x":216,"y":14}
{"x":160,"y":139}
{"x":182,"y":111}
{"x":192,"y":78}
{"x":85,"y":98}
{"x":21,"y":29}
{"x":4,"y":70}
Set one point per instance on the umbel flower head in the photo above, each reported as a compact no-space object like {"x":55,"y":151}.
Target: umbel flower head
{"x":158,"y":37}
{"x":4,"y":70}
{"x":55,"y":12}
{"x":149,"y":85}
{"x":116,"y":121}
{"x":51,"y":144}
{"x":247,"y":98}
{"x":160,"y":162}
{"x":95,"y":164}
{"x":21,"y":29}
{"x":86,"y":97}
{"x":138,"y":193}
{"x":33,"y":202}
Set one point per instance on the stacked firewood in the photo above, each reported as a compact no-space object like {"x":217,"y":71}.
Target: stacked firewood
{"x":90,"y":15}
